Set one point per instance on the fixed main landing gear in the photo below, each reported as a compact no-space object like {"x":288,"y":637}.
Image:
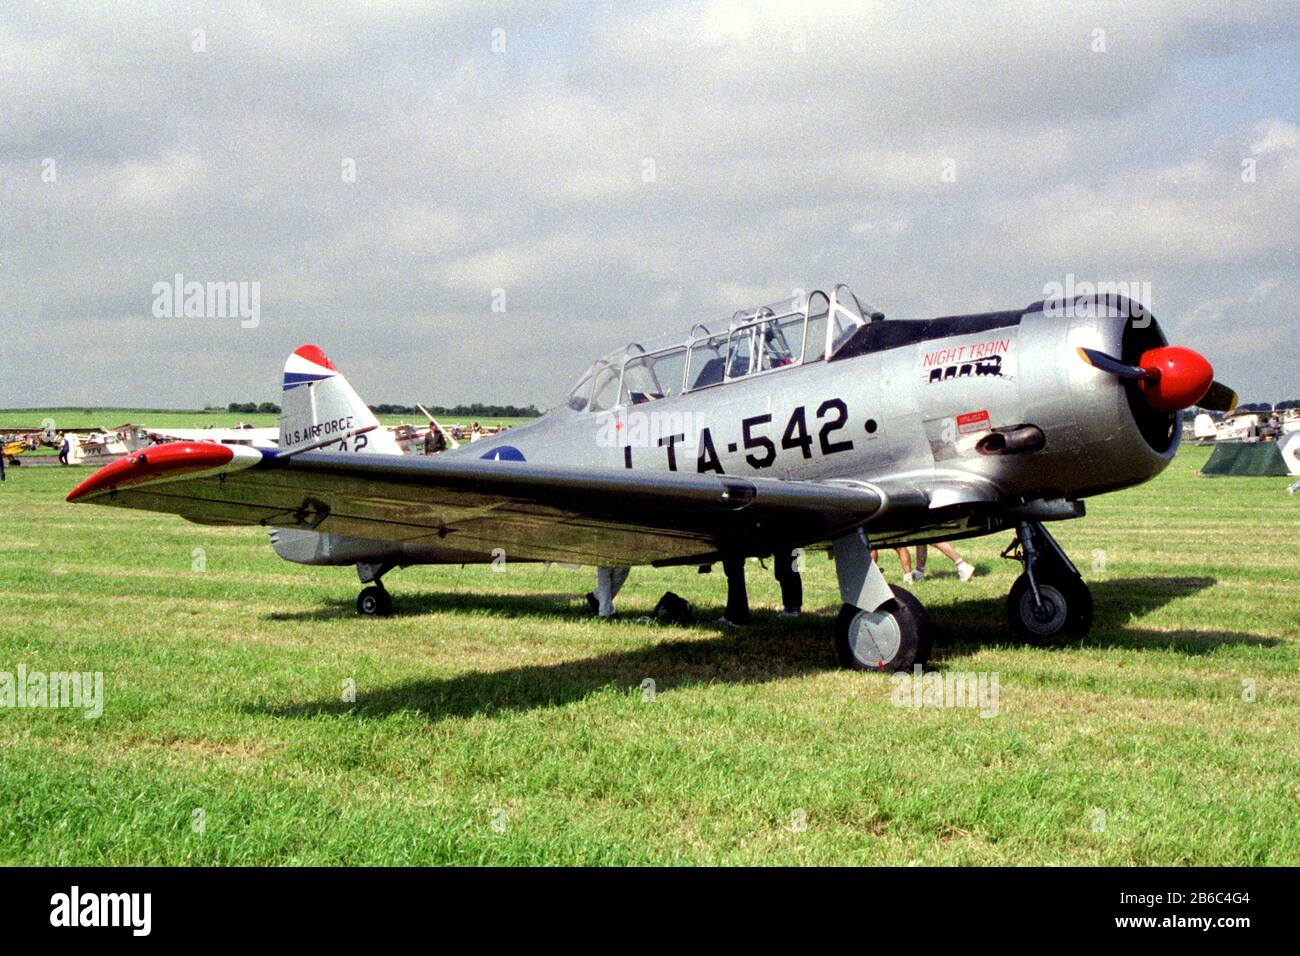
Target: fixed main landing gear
{"x":374,"y":601}
{"x":880,"y":627}
{"x":1049,"y":604}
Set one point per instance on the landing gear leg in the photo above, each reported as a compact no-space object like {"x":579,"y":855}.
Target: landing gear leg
{"x":1049,"y":604}
{"x":374,"y":601}
{"x":880,"y":627}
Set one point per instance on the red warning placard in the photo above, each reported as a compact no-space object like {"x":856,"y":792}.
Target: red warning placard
{"x":972,"y":422}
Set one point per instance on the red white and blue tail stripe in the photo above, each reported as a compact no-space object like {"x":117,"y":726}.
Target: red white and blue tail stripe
{"x":307,"y":364}
{"x":320,"y":410}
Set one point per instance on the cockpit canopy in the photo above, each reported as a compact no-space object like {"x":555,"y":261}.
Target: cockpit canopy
{"x":797,"y":331}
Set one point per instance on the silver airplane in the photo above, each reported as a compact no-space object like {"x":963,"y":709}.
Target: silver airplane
{"x":814,"y":422}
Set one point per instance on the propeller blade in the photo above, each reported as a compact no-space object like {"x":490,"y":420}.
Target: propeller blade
{"x":1171,"y":377}
{"x":1219,"y":398}
{"x":1108,"y":363}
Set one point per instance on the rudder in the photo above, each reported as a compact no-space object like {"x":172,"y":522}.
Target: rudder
{"x":319,"y":404}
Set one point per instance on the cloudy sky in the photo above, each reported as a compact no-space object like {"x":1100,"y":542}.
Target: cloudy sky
{"x":469,"y":201}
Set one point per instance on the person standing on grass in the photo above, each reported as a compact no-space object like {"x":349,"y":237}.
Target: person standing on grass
{"x":965,"y":570}
{"x":904,"y":558}
{"x":785,"y":567}
{"x":609,"y":581}
{"x":64,"y":448}
{"x":787,"y":575}
{"x":737,"y":612}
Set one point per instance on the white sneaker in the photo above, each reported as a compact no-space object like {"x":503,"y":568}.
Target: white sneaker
{"x":788,"y":612}
{"x":919,"y":574}
{"x":909,"y":577}
{"x":965,"y":570}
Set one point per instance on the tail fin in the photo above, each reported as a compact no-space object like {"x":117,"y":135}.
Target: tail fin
{"x":319,"y":405}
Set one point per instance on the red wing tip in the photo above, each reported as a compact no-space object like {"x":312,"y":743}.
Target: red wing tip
{"x":314,"y":353}
{"x":150,"y":464}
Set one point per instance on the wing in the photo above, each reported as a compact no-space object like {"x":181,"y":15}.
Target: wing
{"x":941,"y":505}
{"x":533,"y":512}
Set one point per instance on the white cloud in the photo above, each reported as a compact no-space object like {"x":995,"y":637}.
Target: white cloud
{"x":790,"y":144}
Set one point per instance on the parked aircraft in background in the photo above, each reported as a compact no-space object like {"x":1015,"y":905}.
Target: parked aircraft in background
{"x":240,"y":434}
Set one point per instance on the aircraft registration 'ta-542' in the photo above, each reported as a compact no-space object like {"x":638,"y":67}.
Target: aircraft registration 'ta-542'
{"x":811,"y":422}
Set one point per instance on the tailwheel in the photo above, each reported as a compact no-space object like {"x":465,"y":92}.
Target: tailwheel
{"x":374,"y":601}
{"x":1063,"y":611}
{"x":895,"y":637}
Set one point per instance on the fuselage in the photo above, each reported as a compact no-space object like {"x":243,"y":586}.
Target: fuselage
{"x":904,"y":398}
{"x":902,"y":403}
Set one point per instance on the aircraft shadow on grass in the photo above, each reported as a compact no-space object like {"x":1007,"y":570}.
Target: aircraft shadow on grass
{"x":772,"y":649}
{"x":1116,"y":601}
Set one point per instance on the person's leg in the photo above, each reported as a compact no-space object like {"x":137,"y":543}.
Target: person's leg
{"x":905,"y":558}
{"x":947,"y":550}
{"x":922,"y":552}
{"x":965,"y":570}
{"x":604,"y":592}
{"x":617,"y":578}
{"x":737,"y":600}
{"x":787,"y":575}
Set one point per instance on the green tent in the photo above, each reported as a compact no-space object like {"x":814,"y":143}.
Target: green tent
{"x":1246,"y":458}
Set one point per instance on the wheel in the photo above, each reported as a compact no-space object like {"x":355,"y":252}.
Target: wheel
{"x":893,"y":638}
{"x":1065,"y":614}
{"x":374,"y":602}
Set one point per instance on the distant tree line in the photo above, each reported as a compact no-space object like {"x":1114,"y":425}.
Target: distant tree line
{"x":477,"y":410}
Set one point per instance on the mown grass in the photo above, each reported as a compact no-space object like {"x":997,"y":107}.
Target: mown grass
{"x":495,"y":723}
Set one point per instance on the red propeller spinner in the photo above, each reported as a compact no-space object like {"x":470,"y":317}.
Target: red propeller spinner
{"x":1171,"y":378}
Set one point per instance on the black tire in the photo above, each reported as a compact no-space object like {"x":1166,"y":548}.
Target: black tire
{"x":374,"y":602}
{"x":1066,"y":614}
{"x":900,"y":646}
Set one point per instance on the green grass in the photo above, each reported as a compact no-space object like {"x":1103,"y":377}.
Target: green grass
{"x":81,"y":417}
{"x":490,"y":696}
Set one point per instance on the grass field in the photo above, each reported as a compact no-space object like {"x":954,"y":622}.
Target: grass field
{"x":495,"y":723}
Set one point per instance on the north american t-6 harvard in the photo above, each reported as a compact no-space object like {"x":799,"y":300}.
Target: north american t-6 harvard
{"x":814,"y":422}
